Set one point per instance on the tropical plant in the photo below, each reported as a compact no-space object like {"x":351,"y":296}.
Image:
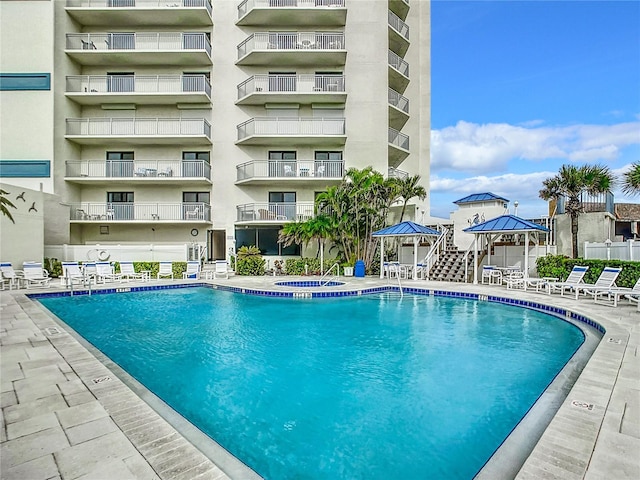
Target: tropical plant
{"x":4,"y":204}
{"x":571,"y":182}
{"x":408,"y":188}
{"x":250,"y":261}
{"x":631,"y":180}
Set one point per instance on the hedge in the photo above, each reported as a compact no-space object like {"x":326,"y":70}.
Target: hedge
{"x":560,"y":266}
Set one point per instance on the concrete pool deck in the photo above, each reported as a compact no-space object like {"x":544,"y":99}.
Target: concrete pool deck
{"x":67,"y":414}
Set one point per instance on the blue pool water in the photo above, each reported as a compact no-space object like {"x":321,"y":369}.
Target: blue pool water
{"x":365,"y":387}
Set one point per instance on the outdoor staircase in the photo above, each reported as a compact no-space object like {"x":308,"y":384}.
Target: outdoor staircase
{"x":449,"y":267}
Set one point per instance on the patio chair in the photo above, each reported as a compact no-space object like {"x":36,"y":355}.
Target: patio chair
{"x":573,"y":280}
{"x":194,"y":214}
{"x":13,"y":278}
{"x":222,"y":269}
{"x":193,"y":270}
{"x":515,"y":280}
{"x":72,"y":273}
{"x":34,"y":274}
{"x":165,"y":270}
{"x":612,"y":295}
{"x":491,"y":274}
{"x":606,"y":280}
{"x":90,"y":270}
{"x":128,"y":272}
{"x":105,"y":273}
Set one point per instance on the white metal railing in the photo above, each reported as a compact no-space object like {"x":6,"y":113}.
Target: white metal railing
{"x":398,"y":101}
{"x":398,"y":64}
{"x":106,"y":212}
{"x":138,"y":126}
{"x":336,"y":267}
{"x":398,"y":139}
{"x":138,"y":168}
{"x":290,"y":169}
{"x":398,"y":25}
{"x":272,"y":211}
{"x":291,"y":41}
{"x":142,"y":4}
{"x":291,"y":126}
{"x":143,"y":41}
{"x":115,"y":84}
{"x":397,"y":173}
{"x":433,"y":254}
{"x":291,"y":84}
{"x":247,"y":5}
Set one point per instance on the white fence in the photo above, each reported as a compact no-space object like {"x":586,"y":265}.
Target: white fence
{"x":181,"y":252}
{"x":629,"y":250}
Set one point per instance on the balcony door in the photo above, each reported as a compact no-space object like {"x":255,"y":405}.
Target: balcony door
{"x":121,"y":3}
{"x":120,"y":206}
{"x":194,"y":82}
{"x":282,"y":204}
{"x":194,"y":205}
{"x":282,"y":81}
{"x":193,"y":164}
{"x":121,"y":41}
{"x":119,"y":164}
{"x":282,"y":164}
{"x":121,"y":82}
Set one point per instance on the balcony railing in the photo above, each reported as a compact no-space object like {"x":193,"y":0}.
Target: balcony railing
{"x":248,"y":5}
{"x":145,"y":4}
{"x":603,"y":202}
{"x":291,"y":84}
{"x":275,"y":212}
{"x":138,"y":127}
{"x":397,"y":173}
{"x":138,"y":169}
{"x":291,"y":41}
{"x":291,"y":126}
{"x":140,"y":41}
{"x":398,"y":64}
{"x":398,"y":139}
{"x":398,"y":25}
{"x":398,"y":101}
{"x":141,"y":212}
{"x":125,"y":84}
{"x":291,"y":169}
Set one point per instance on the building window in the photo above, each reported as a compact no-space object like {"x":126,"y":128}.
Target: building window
{"x":195,"y":197}
{"x":266,"y":239}
{"x":25,"y":81}
{"x":282,"y":205}
{"x":282,"y":164}
{"x":119,"y":164}
{"x":120,"y":206}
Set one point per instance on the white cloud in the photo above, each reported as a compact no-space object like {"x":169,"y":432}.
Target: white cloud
{"x":475,"y":148}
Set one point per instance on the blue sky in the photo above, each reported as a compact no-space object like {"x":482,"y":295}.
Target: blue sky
{"x":520,"y":88}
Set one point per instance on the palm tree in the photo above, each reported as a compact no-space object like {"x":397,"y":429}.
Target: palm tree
{"x":571,"y":182}
{"x":631,"y":180}
{"x":408,"y":188}
{"x":4,"y":203}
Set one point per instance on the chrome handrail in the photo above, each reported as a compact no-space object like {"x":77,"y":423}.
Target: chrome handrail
{"x":336,"y":265}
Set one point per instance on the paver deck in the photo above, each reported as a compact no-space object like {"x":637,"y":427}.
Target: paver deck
{"x":66,"y":412}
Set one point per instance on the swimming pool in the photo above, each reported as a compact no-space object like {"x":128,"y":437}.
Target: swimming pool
{"x":367,"y":386}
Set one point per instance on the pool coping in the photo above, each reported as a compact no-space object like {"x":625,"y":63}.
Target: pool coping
{"x":551,"y":455}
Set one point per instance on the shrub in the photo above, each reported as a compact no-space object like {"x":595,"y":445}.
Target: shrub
{"x":296,"y":266}
{"x":53,"y":266}
{"x":560,"y":266}
{"x":250,"y":261}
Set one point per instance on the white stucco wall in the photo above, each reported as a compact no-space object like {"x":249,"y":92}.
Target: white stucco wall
{"x":592,"y":227}
{"x":23,"y":240}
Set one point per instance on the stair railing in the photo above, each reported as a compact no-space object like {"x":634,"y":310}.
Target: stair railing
{"x":432,"y":255}
{"x":334,"y":277}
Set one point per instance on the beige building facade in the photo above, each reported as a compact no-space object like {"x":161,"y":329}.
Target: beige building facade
{"x":217,"y":122}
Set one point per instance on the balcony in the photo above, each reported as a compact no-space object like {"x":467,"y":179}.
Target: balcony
{"x":126,"y":13}
{"x":399,"y":7}
{"x":283,"y":131}
{"x":139,"y":131}
{"x":324,"y":13}
{"x":396,"y":173}
{"x":293,"y":48}
{"x":398,"y":147}
{"x":398,"y":72}
{"x":138,"y":89}
{"x":261,"y":89}
{"x":275,"y":212}
{"x":290,"y":172}
{"x":140,"y":213}
{"x":398,"y":35}
{"x":166,"y":172}
{"x":138,"y":49}
{"x":398,"y":110}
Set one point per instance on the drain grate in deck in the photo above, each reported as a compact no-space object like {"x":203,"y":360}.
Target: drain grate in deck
{"x":99,"y":380}
{"x":584,"y":405}
{"x":52,"y":331}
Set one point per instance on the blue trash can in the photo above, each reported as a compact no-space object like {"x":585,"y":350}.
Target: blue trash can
{"x":358,"y":270}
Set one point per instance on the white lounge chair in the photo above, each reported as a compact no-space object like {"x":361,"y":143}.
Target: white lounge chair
{"x":128,"y":272}
{"x":72,"y":273}
{"x":611,"y":296}
{"x":193,"y":270}
{"x":222,"y":269}
{"x":105,"y":273}
{"x":13,"y":278}
{"x":90,"y":270}
{"x":165,"y":270}
{"x":34,"y":274}
{"x":572,"y":281}
{"x":606,"y":280}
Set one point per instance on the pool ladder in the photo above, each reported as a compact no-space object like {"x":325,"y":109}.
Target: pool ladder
{"x":334,"y":277}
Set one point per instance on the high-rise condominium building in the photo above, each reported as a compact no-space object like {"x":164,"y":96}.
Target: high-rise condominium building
{"x":213,"y":121}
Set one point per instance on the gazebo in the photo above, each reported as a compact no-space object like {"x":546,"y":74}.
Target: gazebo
{"x":404,"y":229}
{"x":498,"y":226}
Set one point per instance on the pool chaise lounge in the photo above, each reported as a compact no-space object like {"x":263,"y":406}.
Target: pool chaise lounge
{"x":606,"y":279}
{"x":573,"y":280}
{"x":611,"y":296}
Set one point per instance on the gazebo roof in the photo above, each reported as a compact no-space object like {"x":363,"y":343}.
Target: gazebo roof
{"x":506,"y":223}
{"x":480,"y":197}
{"x":405,"y":229}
